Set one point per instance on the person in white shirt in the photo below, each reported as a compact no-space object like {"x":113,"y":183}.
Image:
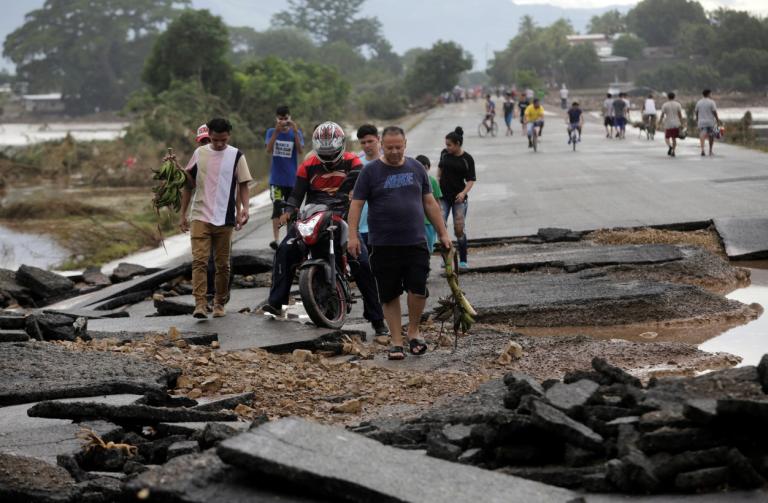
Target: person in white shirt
{"x":649,"y":112}
{"x":564,"y":97}
{"x":608,"y":115}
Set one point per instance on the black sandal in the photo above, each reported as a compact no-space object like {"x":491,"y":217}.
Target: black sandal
{"x":418,"y":346}
{"x":396,"y":353}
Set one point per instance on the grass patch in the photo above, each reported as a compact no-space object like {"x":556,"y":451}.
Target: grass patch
{"x":37,"y":209}
{"x":707,"y":239}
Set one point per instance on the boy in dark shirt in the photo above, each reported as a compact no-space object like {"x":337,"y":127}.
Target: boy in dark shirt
{"x":575,"y":120}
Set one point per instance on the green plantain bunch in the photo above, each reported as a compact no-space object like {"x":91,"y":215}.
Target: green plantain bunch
{"x":456,"y":305}
{"x":168,"y":191}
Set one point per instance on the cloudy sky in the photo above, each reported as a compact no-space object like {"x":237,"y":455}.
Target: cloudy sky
{"x":760,"y":6}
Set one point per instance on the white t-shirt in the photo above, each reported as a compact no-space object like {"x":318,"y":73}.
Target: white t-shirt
{"x":649,"y":107}
{"x":563,"y":94}
{"x":608,"y":107}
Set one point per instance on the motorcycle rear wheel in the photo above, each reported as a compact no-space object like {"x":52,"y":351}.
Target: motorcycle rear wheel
{"x":326,"y":306}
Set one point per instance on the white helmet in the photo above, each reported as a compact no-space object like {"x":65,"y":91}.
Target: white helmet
{"x":328,"y":143}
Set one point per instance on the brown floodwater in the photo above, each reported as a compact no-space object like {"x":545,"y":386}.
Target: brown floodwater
{"x":746,"y":340}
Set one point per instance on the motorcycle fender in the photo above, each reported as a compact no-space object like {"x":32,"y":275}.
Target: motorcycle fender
{"x":321,"y":262}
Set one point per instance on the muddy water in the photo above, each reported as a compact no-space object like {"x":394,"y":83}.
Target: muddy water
{"x":748,"y":341}
{"x":18,"y":248}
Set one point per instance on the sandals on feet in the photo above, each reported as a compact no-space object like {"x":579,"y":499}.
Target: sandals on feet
{"x":396,"y":353}
{"x":418,"y":346}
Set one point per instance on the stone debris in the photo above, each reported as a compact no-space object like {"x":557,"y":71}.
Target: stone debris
{"x":44,"y":285}
{"x":124,"y":414}
{"x":605,"y":431}
{"x":125,"y":271}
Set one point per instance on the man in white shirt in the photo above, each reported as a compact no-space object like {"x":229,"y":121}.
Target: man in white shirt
{"x":563,"y":97}
{"x":649,"y":111}
{"x":706,"y":120}
{"x":608,"y":116}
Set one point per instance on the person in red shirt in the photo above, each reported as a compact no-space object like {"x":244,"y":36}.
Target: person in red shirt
{"x":325,"y":177}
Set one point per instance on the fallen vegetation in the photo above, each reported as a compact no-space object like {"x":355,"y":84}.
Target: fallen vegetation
{"x":707,"y":239}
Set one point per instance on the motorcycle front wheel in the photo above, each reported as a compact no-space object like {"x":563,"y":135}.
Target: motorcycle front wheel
{"x":326,"y":305}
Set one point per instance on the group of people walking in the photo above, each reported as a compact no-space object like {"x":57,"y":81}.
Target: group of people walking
{"x":396,"y":213}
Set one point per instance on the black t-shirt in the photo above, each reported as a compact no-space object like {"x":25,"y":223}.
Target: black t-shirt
{"x":456,"y":171}
{"x":509,"y":107}
{"x":523,"y":104}
{"x":574,"y":115}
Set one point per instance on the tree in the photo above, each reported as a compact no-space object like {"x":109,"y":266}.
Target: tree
{"x":410,"y":56}
{"x":629,"y":46}
{"x":658,"y":21}
{"x":609,"y":23}
{"x":695,"y":39}
{"x":195,"y":46}
{"x":437,"y":70}
{"x":329,"y":21}
{"x":526,"y":79}
{"x":91,"y":51}
{"x":580,"y":63}
{"x":738,"y":29}
{"x":685,"y":76}
{"x":314,"y":92}
{"x":746,"y":61}
{"x":287,"y":43}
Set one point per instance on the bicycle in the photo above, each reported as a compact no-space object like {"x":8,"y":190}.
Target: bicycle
{"x":650,"y":126}
{"x":535,"y":135}
{"x":573,"y":132}
{"x":483,"y":129}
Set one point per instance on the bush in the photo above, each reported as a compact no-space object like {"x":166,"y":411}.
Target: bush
{"x":383,"y":101}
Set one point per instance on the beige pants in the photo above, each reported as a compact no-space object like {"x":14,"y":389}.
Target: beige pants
{"x":204,"y":237}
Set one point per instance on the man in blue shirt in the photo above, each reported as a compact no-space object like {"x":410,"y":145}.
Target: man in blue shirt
{"x":285,"y":143}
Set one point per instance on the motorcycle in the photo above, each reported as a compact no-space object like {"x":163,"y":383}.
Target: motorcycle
{"x":324,"y":274}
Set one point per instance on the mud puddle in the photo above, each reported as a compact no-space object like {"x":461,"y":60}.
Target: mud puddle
{"x":748,"y":341}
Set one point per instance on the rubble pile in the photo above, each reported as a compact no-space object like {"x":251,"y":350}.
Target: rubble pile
{"x":601,"y":430}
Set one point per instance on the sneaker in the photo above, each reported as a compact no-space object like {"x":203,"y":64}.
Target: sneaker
{"x":703,"y":154}
{"x":270,"y":309}
{"x":380,"y":328}
{"x":669,"y":151}
{"x":273,"y":245}
{"x":530,"y":143}
{"x":463,"y":266}
{"x":199,"y":312}
{"x":218,"y":311}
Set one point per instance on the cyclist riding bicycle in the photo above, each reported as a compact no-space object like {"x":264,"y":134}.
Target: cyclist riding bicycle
{"x":490,"y":112}
{"x":649,"y":113}
{"x":575,"y":120}
{"x":534,"y":118}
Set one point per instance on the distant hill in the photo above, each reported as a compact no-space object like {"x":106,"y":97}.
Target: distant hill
{"x":481,"y":27}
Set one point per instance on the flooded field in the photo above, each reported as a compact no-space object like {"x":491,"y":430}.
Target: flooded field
{"x":18,"y":248}
{"x":22,"y":134}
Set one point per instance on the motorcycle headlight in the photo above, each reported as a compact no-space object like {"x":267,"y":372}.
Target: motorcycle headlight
{"x":307,"y":227}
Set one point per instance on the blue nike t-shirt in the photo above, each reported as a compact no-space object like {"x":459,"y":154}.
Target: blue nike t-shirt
{"x":395,"y":196}
{"x":282,"y":171}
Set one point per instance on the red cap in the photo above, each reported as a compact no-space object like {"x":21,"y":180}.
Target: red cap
{"x":202,"y":133}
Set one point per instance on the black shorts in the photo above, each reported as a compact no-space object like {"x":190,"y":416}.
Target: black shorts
{"x":399,"y":269}
{"x":279,"y":196}
{"x":608,"y":121}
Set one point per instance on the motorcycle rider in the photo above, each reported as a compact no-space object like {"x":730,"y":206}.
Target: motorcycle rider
{"x":325,"y":177}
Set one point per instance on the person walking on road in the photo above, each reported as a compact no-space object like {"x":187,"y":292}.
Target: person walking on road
{"x":285,"y":143}
{"x":456,"y":174}
{"x":368,"y":136}
{"x":672,"y":119}
{"x":707,"y":120}
{"x":219,"y":174}
{"x":509,"y":112}
{"x":399,"y":194}
{"x":620,"y":112}
{"x":564,"y":97}
{"x":608,"y":116}
{"x":437,"y":194}
{"x":327,"y":178}
{"x":490,"y":112}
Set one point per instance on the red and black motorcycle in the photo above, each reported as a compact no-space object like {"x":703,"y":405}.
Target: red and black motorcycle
{"x":324,"y":273}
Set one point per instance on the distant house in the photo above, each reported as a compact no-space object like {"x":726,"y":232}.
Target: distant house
{"x":602,"y":43}
{"x":43,"y":103}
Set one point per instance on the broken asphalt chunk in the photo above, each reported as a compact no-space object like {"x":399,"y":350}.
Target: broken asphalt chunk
{"x":124,"y":414}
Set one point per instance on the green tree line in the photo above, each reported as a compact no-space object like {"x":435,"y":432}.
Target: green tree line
{"x":724,"y":49}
